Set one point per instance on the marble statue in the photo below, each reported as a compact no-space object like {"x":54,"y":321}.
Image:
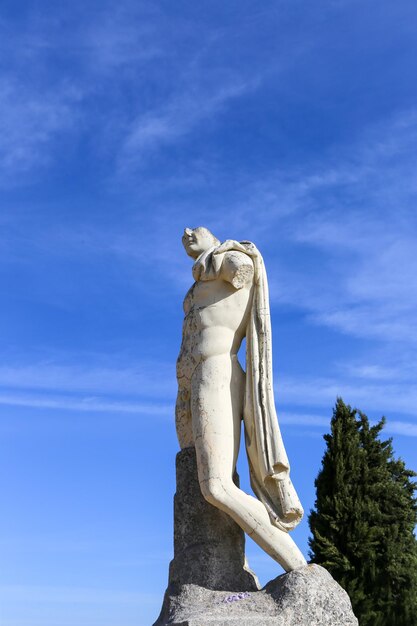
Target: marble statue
{"x":228,"y":302}
{"x":209,"y":580}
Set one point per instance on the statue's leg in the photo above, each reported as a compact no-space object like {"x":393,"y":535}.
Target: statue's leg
{"x":183,"y":421}
{"x":216,"y":395}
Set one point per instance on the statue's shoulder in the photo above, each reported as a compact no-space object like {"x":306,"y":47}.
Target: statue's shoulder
{"x":237,"y":268}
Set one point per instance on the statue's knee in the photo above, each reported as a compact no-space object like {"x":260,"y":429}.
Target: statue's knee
{"x":216,"y":492}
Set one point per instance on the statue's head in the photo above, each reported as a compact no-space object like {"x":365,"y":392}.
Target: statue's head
{"x":198,"y":240}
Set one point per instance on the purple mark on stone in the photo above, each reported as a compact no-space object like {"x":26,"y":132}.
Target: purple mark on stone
{"x":237,"y":596}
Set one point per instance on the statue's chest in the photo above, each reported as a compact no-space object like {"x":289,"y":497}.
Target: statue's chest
{"x":207,"y":293}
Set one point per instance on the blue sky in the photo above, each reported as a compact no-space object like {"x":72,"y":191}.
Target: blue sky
{"x":292,"y":124}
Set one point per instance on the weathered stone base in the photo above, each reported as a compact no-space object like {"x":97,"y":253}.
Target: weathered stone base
{"x":210,"y":583}
{"x":306,"y":597}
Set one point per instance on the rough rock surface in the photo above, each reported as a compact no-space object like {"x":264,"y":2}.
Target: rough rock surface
{"x":210,"y":585}
{"x":305,"y":597}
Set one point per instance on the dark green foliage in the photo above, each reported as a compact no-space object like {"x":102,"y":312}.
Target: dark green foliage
{"x":363,"y":522}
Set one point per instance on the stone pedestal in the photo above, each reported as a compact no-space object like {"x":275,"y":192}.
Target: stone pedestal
{"x":210,"y":585}
{"x":209,"y":547}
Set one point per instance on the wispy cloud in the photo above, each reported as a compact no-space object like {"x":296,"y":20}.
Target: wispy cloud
{"x":302,"y":419}
{"x":31,"y":120}
{"x":401,"y":428}
{"x":65,"y":74}
{"x":354,"y":214}
{"x":163,"y":126}
{"x":67,"y":595}
{"x":53,"y":65}
{"x":322,"y":392}
{"x":148,"y":378}
{"x":384,"y":368}
{"x":322,"y":424}
{"x":126,"y":36}
{"x":89,"y":405}
{"x":143,"y":389}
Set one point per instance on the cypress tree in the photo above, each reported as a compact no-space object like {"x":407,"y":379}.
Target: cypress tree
{"x":364,"y":518}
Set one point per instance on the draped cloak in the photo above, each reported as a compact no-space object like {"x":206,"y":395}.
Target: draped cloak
{"x":268,"y":462}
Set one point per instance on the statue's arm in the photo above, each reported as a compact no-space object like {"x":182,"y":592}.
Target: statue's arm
{"x":237,"y":269}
